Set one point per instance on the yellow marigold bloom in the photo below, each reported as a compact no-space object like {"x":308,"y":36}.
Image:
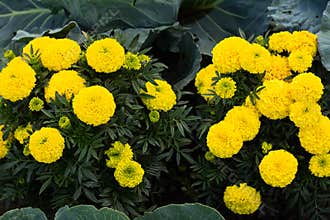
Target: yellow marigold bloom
{"x":65,"y":82}
{"x":3,"y":145}
{"x":46,"y":145}
{"x":17,"y":80}
{"x":223,"y":140}
{"x":251,"y":106}
{"x":274,"y":99}
{"x":319,"y":165}
{"x":278,"y":168}
{"x":266,"y":147}
{"x":144,"y":59}
{"x":316,"y":139}
{"x":300,"y":61}
{"x":225,"y":88}
{"x":94,"y":105}
{"x":164,"y":97}
{"x":226,"y":54}
{"x":305,"y":114}
{"x":306,"y":87}
{"x":245,"y":120}
{"x":60,"y":54}
{"x":22,"y":133}
{"x":280,"y":42}
{"x":204,"y":81}
{"x":129,"y":173}
{"x":105,"y":55}
{"x":132,"y":61}
{"x":36,"y":104}
{"x":242,"y":199}
{"x":303,"y":41}
{"x":255,"y":58}
{"x":64,"y":122}
{"x":117,"y":153}
{"x":38,"y":44}
{"x":278,"y":68}
{"x":154,"y":116}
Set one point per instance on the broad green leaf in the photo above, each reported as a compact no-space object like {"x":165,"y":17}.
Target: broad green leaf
{"x":27,"y":15}
{"x":199,"y":4}
{"x":225,"y":19}
{"x":183,"y":212}
{"x":24,"y":214}
{"x":324,"y":38}
{"x":88,"y":212}
{"x":296,"y":14}
{"x":101,"y":15}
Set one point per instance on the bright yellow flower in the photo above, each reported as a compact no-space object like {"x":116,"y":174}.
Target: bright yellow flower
{"x":266,"y":147}
{"x":46,"y":145}
{"x":305,"y":114}
{"x":117,"y":153}
{"x":61,"y":54}
{"x":3,"y":145}
{"x":226,"y":54}
{"x":144,"y":59}
{"x":278,"y":68}
{"x":164,"y":97}
{"x":306,"y":87}
{"x":255,"y":58}
{"x":274,"y":99}
{"x":132,"y":61}
{"x":280,"y":42}
{"x":300,"y":61}
{"x":303,"y":41}
{"x":278,"y":168}
{"x":106,"y":55}
{"x":225,"y":88}
{"x":17,"y":80}
{"x":64,"y":122}
{"x":316,"y":139}
{"x":204,"y":81}
{"x":129,"y":173}
{"x":154,"y":116}
{"x":242,"y":199}
{"x":319,"y":165}
{"x":245,"y":120}
{"x":94,"y":105}
{"x":22,"y":133}
{"x":65,"y":82}
{"x":39,"y":44}
{"x":36,"y":104}
{"x":223,"y":140}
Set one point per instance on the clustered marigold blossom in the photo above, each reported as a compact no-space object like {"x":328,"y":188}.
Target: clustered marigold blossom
{"x":118,"y":152}
{"x":319,"y":165}
{"x":204,"y":81}
{"x":255,"y":58}
{"x":278,"y":68}
{"x":242,"y":199}
{"x":225,"y":88}
{"x":23,"y":132}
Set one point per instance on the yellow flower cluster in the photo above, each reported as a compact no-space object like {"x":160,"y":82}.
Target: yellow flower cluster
{"x":3,"y":145}
{"x":22,"y":133}
{"x":106,"y":55}
{"x":128,"y":173}
{"x":17,"y":80}
{"x":225,"y":88}
{"x":65,"y":82}
{"x":305,"y":114}
{"x":94,"y":105}
{"x":118,"y":152}
{"x":163,"y":98}
{"x":37,"y":46}
{"x":278,"y":68}
{"x":254,"y":58}
{"x":132,"y":61}
{"x":46,"y":145}
{"x":242,"y":199}
{"x":278,"y":168}
{"x":204,"y":81}
{"x":306,"y":87}
{"x":319,"y":165}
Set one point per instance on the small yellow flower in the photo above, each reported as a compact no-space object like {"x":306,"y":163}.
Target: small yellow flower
{"x":117,"y":153}
{"x":3,"y":145}
{"x":36,"y":104}
{"x":64,"y":122}
{"x":280,"y":42}
{"x":300,"y":61}
{"x":204,"y":81}
{"x":266,"y":147}
{"x":225,"y":88}
{"x":255,"y":58}
{"x":22,"y":133}
{"x":132,"y":61}
{"x":319,"y":165}
{"x":209,"y":156}
{"x":154,"y":116}
{"x":129,"y":173}
{"x":144,"y":59}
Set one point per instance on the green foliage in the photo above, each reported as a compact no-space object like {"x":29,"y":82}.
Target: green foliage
{"x":24,"y":214}
{"x":324,"y":39}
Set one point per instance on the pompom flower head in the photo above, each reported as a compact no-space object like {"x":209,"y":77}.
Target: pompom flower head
{"x":303,"y":41}
{"x":94,"y":105}
{"x":242,"y":199}
{"x":306,"y":87}
{"x":36,"y":104}
{"x":64,"y":122}
{"x":204,"y":81}
{"x":60,"y":54}
{"x":305,"y":114}
{"x":226,"y":54}
{"x":278,"y":68}
{"x":225,"y":88}
{"x":223,"y":140}
{"x":163,"y":99}
{"x":46,"y":145}
{"x":319,"y":165}
{"x":132,"y":61}
{"x":255,"y":58}
{"x":65,"y":82}
{"x":17,"y":80}
{"x":117,"y":153}
{"x":106,"y":55}
{"x":38,"y":45}
{"x":300,"y":61}
{"x":280,"y":42}
{"x":278,"y":168}
{"x":22,"y":133}
{"x":129,"y":173}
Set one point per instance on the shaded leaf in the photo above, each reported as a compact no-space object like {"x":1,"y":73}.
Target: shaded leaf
{"x":24,"y":214}
{"x":324,"y":38}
